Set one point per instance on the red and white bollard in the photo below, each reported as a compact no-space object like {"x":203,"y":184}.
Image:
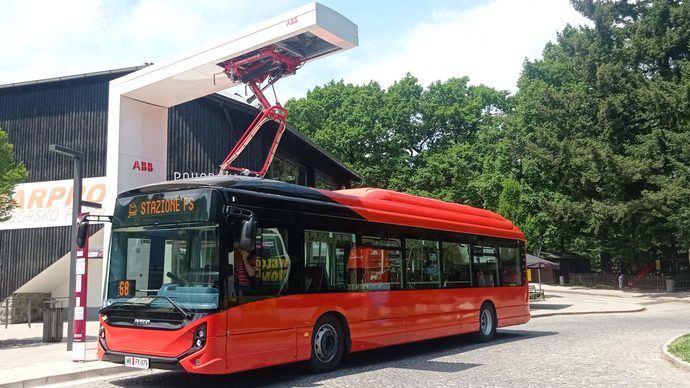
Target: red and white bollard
{"x":82,"y":271}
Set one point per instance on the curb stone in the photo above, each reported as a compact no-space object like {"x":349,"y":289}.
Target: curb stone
{"x":590,"y":312}
{"x":67,"y":377}
{"x":677,"y":362}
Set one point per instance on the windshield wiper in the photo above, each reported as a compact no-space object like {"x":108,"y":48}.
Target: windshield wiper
{"x":185,"y":313}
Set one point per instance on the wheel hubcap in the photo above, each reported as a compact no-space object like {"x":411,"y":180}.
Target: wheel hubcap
{"x":486,"y":322}
{"x":326,"y":343}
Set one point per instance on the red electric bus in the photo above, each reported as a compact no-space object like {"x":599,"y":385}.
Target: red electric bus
{"x":223,"y":274}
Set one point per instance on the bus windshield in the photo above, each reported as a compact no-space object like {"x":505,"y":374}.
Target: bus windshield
{"x":178,"y":264}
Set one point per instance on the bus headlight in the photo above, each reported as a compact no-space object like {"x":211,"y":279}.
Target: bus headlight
{"x":101,"y":337}
{"x":200,"y":335}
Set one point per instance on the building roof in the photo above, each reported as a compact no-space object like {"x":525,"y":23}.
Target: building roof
{"x":563,"y":256}
{"x":123,"y":71}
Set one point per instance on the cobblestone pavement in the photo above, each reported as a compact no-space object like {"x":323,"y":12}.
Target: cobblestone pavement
{"x":579,"y":350}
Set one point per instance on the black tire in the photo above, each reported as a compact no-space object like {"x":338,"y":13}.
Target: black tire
{"x":327,"y":344}
{"x":487,"y":323}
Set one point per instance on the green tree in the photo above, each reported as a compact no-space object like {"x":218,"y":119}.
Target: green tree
{"x":11,"y":173}
{"x":603,"y":122}
{"x":350,"y":121}
{"x":396,"y":137}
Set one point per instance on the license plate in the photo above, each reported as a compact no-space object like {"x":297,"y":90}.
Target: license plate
{"x":137,"y":362}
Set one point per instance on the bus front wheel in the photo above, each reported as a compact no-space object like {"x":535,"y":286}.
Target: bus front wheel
{"x":327,"y":344}
{"x":487,"y":323}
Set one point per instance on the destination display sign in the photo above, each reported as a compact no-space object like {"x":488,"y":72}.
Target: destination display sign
{"x":165,"y":208}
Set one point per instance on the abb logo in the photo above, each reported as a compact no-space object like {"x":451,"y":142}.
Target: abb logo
{"x":143,"y":166}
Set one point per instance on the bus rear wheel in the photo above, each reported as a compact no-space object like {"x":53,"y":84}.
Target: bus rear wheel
{"x":487,"y":323}
{"x":327,"y":344}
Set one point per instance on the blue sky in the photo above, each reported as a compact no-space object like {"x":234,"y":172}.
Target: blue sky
{"x":486,"y":40}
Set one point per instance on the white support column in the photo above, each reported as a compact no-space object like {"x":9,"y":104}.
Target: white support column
{"x":137,"y":151}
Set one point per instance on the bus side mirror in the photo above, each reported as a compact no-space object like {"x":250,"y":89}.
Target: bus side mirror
{"x":82,"y":233}
{"x":248,"y":235}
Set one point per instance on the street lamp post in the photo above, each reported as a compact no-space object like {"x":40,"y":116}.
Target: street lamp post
{"x":78,"y":157}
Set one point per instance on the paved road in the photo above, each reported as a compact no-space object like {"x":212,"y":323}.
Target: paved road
{"x":579,"y":350}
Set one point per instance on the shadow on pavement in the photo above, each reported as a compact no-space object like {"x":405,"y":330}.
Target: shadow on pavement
{"x":550,"y":306}
{"x":415,"y":356}
{"x":678,"y":295}
{"x":32,"y":342}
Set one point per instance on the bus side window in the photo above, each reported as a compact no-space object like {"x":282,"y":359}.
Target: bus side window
{"x":484,"y":266}
{"x":326,"y":256}
{"x":375,"y":264}
{"x":268,"y":262}
{"x":456,"y":265}
{"x":422,"y":261}
{"x":509,"y":265}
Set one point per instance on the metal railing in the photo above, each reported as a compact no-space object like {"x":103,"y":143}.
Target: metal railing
{"x":648,"y":282}
{"x":682,"y":283}
{"x":593,"y":279}
{"x":29,"y":309}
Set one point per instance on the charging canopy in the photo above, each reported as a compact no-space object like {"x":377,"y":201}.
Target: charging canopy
{"x":312,"y":31}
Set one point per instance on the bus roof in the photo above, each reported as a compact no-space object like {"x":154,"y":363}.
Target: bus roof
{"x":375,"y":205}
{"x":379,"y":205}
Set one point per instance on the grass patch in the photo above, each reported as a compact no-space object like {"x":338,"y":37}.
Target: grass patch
{"x":681,"y":347}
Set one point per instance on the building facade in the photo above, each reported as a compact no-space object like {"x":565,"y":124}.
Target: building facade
{"x":73,"y":112}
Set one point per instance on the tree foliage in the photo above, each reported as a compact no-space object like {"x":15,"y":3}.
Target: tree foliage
{"x":11,"y":173}
{"x":591,"y":155}
{"x":389,"y":135}
{"x":603,"y":123}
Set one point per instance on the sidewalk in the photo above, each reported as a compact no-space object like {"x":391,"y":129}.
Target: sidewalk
{"x":571,"y":300}
{"x":26,"y":361}
{"x":562,"y":304}
{"x":641,"y":296}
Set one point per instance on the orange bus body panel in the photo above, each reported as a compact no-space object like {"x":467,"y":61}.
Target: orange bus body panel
{"x":278,"y":330}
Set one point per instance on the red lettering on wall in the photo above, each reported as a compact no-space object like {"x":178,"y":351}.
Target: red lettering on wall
{"x":143,"y":166}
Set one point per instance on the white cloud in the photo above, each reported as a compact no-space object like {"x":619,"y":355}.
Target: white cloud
{"x":488,"y":43}
{"x":55,"y":38}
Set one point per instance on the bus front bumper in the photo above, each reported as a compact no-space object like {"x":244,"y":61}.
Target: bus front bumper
{"x":208,"y":360}
{"x":167,"y":363}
